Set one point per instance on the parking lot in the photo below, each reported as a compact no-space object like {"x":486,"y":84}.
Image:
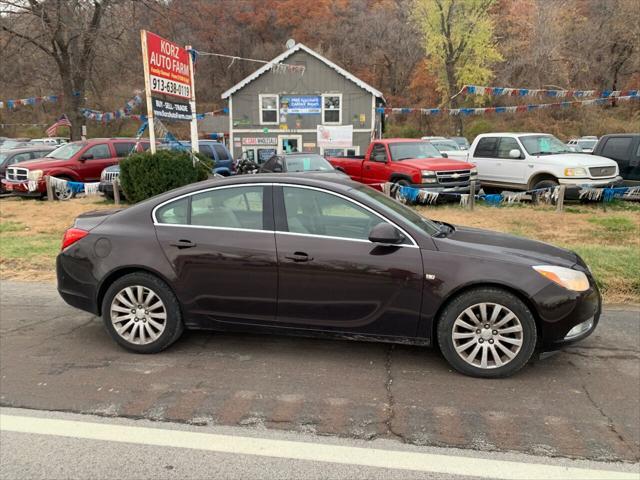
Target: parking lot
{"x":582,"y":403}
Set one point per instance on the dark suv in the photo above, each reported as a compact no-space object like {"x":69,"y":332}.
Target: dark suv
{"x":624,"y":148}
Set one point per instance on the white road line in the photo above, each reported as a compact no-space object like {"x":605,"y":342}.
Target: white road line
{"x":317,"y":452}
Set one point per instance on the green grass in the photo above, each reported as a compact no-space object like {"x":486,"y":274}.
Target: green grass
{"x":11,"y":227}
{"x":19,"y":247}
{"x":616,"y":268}
{"x":614,"y":225}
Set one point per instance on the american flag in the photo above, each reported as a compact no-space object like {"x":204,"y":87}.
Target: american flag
{"x":63,"y":121}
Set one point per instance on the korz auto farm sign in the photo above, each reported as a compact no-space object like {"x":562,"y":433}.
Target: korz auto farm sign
{"x":167,"y":66}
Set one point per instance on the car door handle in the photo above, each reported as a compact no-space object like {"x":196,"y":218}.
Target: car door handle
{"x":183,"y":244}
{"x":299,"y":257}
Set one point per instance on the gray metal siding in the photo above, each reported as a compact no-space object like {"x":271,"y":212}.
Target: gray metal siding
{"x":317,"y":79}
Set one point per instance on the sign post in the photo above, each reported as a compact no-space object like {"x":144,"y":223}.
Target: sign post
{"x":195,"y":147}
{"x":147,"y":90}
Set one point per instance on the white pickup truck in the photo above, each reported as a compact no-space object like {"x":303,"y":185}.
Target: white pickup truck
{"x":526,"y":161}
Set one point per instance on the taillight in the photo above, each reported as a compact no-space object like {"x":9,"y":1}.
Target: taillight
{"x":71,"y":236}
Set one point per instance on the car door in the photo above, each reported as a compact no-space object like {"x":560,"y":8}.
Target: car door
{"x":374,"y":170}
{"x":221,"y":244}
{"x":95,"y":159}
{"x":332,"y":278}
{"x":484,"y":156}
{"x":507,"y":169}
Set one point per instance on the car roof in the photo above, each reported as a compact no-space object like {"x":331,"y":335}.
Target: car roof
{"x":38,"y":148}
{"x":620,"y":135}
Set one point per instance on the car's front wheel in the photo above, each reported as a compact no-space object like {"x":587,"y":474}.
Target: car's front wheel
{"x":141,"y":313}
{"x":487,"y":332}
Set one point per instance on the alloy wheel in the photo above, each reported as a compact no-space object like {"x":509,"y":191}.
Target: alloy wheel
{"x":138,"y":315}
{"x":487,"y":335}
{"x":63,"y":193}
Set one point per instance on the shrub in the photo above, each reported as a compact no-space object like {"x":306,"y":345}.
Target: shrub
{"x":143,"y":175}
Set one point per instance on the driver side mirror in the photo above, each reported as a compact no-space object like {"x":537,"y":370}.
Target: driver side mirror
{"x":385,"y":234}
{"x":85,"y":157}
{"x":515,"y":153}
{"x":444,"y":155}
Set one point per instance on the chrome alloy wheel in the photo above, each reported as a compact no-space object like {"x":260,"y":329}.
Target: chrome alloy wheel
{"x":138,"y":315}
{"x":63,"y":194}
{"x":487,"y":335}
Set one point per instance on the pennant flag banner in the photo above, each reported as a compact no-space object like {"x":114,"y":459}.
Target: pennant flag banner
{"x":511,"y":109}
{"x":542,"y":92}
{"x":88,"y":188}
{"x":30,"y":101}
{"x":120,"y":113}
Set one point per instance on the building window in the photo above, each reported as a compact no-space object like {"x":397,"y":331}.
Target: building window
{"x":268,"y":109}
{"x":332,"y":109}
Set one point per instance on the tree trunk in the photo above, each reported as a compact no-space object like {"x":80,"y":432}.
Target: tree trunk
{"x":453,"y":103}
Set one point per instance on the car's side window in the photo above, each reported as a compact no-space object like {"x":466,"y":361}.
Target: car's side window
{"x":506,"y":145}
{"x":221,"y":152}
{"x":237,"y":207}
{"x":98,"y":152}
{"x":123,"y":149}
{"x":176,"y":213}
{"x":616,"y":147}
{"x":487,"y":147}
{"x":207,"y":150}
{"x":379,"y":153}
{"x":313,"y":212}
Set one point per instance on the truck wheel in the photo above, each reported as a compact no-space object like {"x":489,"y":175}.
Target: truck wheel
{"x":66,"y":194}
{"x":395,"y":189}
{"x":546,"y":184}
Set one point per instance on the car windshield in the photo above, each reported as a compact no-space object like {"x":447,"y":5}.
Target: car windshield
{"x":3,"y":157}
{"x":543,"y":145}
{"x":407,"y":150}
{"x":396,"y":209}
{"x":445,"y":145}
{"x":65,"y":152}
{"x":462,"y":142}
{"x":587,"y":143}
{"x":307,"y":163}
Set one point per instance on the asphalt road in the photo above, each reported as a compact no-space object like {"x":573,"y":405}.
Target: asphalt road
{"x":582,"y":403}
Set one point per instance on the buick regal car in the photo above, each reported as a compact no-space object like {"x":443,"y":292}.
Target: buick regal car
{"x":306,"y":255}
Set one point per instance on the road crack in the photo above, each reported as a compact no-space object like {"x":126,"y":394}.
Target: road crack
{"x":390,"y":406}
{"x":610,"y":422}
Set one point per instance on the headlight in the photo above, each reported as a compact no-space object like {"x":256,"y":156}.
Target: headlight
{"x":565,"y":277}
{"x":474,"y":171}
{"x":428,"y":173}
{"x":34,"y":175}
{"x":575,"y":172}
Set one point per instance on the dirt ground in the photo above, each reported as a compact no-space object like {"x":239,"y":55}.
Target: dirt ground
{"x":609,"y":241}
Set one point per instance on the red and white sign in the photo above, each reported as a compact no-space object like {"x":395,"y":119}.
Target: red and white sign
{"x":168,"y":66}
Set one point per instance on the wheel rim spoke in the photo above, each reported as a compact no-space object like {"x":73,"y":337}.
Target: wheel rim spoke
{"x":139,"y":326}
{"x":477,"y":344}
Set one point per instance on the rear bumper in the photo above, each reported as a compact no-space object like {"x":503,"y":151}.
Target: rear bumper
{"x":76,"y":286}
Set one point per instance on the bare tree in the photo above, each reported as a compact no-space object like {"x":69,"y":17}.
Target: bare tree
{"x":66,"y":31}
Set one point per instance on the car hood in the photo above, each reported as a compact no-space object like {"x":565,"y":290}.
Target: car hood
{"x":579,"y":160}
{"x":43,"y":163}
{"x":436,"y":164}
{"x":502,"y":246}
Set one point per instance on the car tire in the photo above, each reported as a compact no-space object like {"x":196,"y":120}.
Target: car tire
{"x":478,"y":351}
{"x":546,"y":184}
{"x":395,"y":188}
{"x":141,"y":313}
{"x":68,"y":194}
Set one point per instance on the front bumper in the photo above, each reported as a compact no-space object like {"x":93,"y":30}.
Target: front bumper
{"x":462,"y":187}
{"x":560,"y":310}
{"x":590,"y":182}
{"x":21,"y":189}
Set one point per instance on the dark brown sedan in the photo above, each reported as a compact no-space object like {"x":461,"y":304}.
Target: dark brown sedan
{"x":316,"y":256}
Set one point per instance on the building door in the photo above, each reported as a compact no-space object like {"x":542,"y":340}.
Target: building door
{"x":289,"y":143}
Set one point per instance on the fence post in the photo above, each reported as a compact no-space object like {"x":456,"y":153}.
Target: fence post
{"x":560,"y":202}
{"x":472,"y":195}
{"x":116,"y":191}
{"x":47,"y":181}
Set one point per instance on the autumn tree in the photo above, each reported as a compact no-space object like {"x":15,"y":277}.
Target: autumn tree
{"x":459,"y":42}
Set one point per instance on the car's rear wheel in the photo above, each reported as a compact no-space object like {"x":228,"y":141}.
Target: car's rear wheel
{"x":487,"y":332}
{"x":141,"y":313}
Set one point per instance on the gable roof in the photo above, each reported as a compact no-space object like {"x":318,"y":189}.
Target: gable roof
{"x":297,"y":47}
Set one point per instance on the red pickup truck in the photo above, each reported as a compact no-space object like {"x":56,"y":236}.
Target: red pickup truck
{"x":78,"y":161}
{"x":407,"y":162}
